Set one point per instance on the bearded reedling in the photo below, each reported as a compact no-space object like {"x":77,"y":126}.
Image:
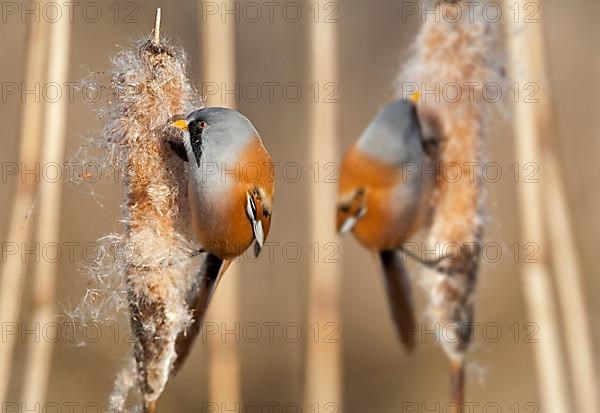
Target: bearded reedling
{"x":460,"y":51}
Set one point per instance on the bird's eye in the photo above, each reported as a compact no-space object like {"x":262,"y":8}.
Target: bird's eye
{"x":202,"y":124}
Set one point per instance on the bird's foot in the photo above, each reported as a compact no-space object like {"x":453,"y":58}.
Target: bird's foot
{"x":434,"y":264}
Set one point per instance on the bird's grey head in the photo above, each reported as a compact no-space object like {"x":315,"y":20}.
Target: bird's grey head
{"x":394,"y":136}
{"x":215,"y":131}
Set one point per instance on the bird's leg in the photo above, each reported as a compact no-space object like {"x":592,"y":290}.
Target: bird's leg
{"x":465,"y":262}
{"x":432,"y":264}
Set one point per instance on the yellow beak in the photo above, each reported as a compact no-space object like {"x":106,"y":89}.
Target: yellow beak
{"x":415,"y":97}
{"x":180,"y":124}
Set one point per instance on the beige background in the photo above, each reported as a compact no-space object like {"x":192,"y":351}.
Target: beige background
{"x":377,"y":376}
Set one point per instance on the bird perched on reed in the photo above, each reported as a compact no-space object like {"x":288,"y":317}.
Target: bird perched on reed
{"x":463,"y":50}
{"x":383,"y":200}
{"x":231,"y":190}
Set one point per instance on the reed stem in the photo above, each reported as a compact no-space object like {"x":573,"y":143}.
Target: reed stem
{"x":526,"y":65}
{"x":323,"y":360}
{"x":39,"y":357}
{"x":19,"y":231}
{"x":217,"y":38}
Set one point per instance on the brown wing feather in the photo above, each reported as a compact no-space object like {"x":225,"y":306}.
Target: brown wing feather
{"x":399,"y":294}
{"x":199,"y":298}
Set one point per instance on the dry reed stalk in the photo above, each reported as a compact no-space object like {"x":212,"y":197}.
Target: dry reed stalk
{"x":564,"y":255}
{"x":525,"y":58}
{"x":19,"y":231}
{"x":533,"y":122}
{"x":570,"y":289}
{"x":323,"y":360}
{"x":39,"y":360}
{"x":459,"y":48}
{"x":150,"y":86}
{"x":542,"y":311}
{"x":217,"y":38}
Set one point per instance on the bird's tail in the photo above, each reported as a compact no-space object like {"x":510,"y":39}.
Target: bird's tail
{"x":199,"y":298}
{"x":399,"y":293}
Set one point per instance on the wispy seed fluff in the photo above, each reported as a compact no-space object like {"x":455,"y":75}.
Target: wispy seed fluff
{"x":456,"y":55}
{"x":154,"y":252}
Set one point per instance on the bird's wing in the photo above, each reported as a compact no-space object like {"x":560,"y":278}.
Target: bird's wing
{"x":399,"y":294}
{"x":199,"y":298}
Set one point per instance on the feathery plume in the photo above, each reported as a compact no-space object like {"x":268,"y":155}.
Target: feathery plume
{"x":455,"y":59}
{"x":153,"y":256}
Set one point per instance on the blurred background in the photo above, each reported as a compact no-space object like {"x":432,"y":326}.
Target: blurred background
{"x":375,"y":373}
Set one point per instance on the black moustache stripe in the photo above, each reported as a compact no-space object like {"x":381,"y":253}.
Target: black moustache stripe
{"x":196,"y":141}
